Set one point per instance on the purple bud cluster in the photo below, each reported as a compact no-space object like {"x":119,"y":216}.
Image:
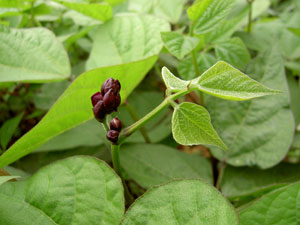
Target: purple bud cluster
{"x":108,"y":100}
{"x":115,"y":126}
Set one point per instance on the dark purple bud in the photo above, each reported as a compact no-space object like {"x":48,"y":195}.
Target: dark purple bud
{"x":110,"y":84}
{"x":99,"y":111}
{"x":113,"y":136}
{"x":96,"y":98}
{"x":111,"y":101}
{"x":115,"y":124}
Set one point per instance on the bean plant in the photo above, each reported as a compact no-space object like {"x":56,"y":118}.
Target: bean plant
{"x":138,"y":112}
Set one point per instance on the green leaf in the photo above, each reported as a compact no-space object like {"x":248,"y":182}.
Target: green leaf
{"x":242,"y":182}
{"x":296,"y":31}
{"x":191,"y":125}
{"x":169,"y":10}
{"x":224,"y":81}
{"x":99,"y":11}
{"x":234,"y":52}
{"x":74,"y":106}
{"x":74,"y":138}
{"x":8,"y":129}
{"x":150,"y":164}
{"x":32,"y":55}
{"x":181,"y":202}
{"x":77,"y":190}
{"x":294,"y":89}
{"x":4,"y":179}
{"x":280,"y":207}
{"x":260,"y":131}
{"x":178,"y":44}
{"x":186,"y":67}
{"x":49,"y":93}
{"x":206,"y":14}
{"x":126,"y":38}
{"x":172,"y":82}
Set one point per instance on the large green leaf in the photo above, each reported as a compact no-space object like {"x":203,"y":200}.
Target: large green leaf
{"x":260,"y":131}
{"x":191,"y":126}
{"x":234,"y":52}
{"x":126,"y":38}
{"x":99,"y":11}
{"x":166,"y":9}
{"x":150,"y":164}
{"x":181,"y":202}
{"x":224,"y":81}
{"x":78,"y":190}
{"x":8,"y":129}
{"x":280,"y":207}
{"x":178,"y":44}
{"x":244,"y":182}
{"x":186,"y":68}
{"x":206,"y":14}
{"x":32,"y":55}
{"x":74,"y":106}
{"x":74,"y":138}
{"x":294,"y":89}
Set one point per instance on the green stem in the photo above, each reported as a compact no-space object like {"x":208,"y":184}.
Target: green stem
{"x":32,"y":13}
{"x":135,"y":117}
{"x":137,"y":125}
{"x":117,"y":167}
{"x":220,"y":176}
{"x":250,"y":15}
{"x":115,"y":159}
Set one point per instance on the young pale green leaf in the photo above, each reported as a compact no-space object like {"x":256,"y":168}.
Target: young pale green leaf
{"x":126,"y":38}
{"x":178,"y":44}
{"x":77,"y":190}
{"x":32,"y":55}
{"x":99,"y":11}
{"x":191,"y":126}
{"x":169,"y":10}
{"x":280,"y":207}
{"x":206,"y":14}
{"x":224,"y":81}
{"x":248,"y":182}
{"x":8,"y":129}
{"x":4,"y":179}
{"x":181,"y":202}
{"x":74,"y":105}
{"x":234,"y":52}
{"x":260,"y":131}
{"x":172,"y":82}
{"x":154,"y":164}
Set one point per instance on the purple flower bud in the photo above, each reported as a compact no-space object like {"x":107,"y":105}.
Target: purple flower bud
{"x":111,"y":101}
{"x":110,"y":84}
{"x":115,"y":124}
{"x":99,"y":111}
{"x":113,"y":136}
{"x":96,"y":98}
